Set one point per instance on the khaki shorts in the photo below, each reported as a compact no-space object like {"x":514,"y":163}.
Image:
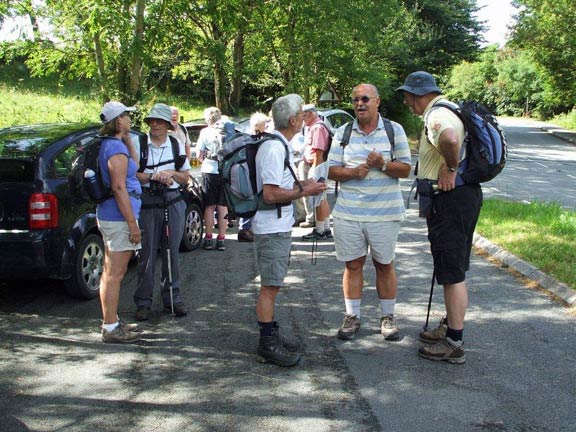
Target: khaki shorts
{"x":273,"y":255}
{"x":352,"y":239}
{"x":115,"y":235}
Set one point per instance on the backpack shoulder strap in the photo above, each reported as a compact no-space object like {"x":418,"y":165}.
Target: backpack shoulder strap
{"x":178,"y":161}
{"x":390,"y":132}
{"x":143,"y":153}
{"x":346,"y":135}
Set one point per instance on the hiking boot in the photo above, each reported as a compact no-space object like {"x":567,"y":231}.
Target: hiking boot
{"x":290,"y":344}
{"x":435,"y":335}
{"x":328,"y":234}
{"x":349,"y":328}
{"x":142,"y":314}
{"x":209,"y":244}
{"x":119,"y":335}
{"x":179,"y":309}
{"x":388,"y":328}
{"x":443,"y":351}
{"x":313,"y":235}
{"x":270,"y":350}
{"x":307,"y":224}
{"x":245,"y":236}
{"x":220,"y":245}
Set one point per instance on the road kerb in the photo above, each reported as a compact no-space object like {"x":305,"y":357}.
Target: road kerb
{"x":559,"y":289}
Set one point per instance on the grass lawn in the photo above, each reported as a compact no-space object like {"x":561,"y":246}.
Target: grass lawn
{"x":543,"y":234}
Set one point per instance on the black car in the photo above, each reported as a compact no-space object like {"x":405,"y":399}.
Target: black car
{"x":47,"y":228}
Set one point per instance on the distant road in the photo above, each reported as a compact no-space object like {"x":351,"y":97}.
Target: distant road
{"x":540,"y":167}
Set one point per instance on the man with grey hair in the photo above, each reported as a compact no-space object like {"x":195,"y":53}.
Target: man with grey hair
{"x":272,"y":228}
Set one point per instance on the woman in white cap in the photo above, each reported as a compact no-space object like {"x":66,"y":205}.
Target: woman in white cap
{"x":117,"y":216}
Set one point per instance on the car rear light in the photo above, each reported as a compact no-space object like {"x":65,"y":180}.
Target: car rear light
{"x":43,"y":211}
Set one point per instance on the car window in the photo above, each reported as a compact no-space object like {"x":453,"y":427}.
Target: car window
{"x":339,"y":119}
{"x":64,"y":161}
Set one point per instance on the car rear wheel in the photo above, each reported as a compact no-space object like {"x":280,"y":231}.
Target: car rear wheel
{"x":88,"y":266}
{"x":193,"y":228}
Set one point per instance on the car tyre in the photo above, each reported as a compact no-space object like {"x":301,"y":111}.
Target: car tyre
{"x":88,"y":267}
{"x":193,"y":228}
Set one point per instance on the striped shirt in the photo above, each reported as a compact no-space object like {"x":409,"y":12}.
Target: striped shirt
{"x":377,"y":197}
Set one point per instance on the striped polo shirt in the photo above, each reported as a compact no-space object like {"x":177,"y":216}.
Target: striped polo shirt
{"x":377,"y":197}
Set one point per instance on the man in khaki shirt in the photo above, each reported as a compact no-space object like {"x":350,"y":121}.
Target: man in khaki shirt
{"x":453,"y":213}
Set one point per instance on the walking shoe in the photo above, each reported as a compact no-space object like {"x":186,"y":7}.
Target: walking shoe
{"x":349,"y":328}
{"x":388,"y":328}
{"x":328,"y":234}
{"x":209,"y":244}
{"x":245,"y":236}
{"x":179,"y":309}
{"x":443,"y":351}
{"x":142,"y":314}
{"x":291,"y":344}
{"x":119,"y":335}
{"x":271,"y":351}
{"x":307,"y":224}
{"x":435,"y":335}
{"x":129,"y":327}
{"x":220,"y":245}
{"x":313,"y":235}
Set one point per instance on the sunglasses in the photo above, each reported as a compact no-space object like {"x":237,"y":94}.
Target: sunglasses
{"x":363,"y":99}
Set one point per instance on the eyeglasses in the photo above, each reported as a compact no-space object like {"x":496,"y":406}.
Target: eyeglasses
{"x":363,"y":99}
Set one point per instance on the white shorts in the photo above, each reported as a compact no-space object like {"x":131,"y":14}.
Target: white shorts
{"x":352,"y":239}
{"x":115,"y":235}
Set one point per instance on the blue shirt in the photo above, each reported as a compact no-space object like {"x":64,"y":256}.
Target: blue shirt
{"x":377,"y":197}
{"x":108,"y":210}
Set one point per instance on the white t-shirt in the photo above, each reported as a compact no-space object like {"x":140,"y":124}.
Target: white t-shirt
{"x":161,"y":154}
{"x":270,"y":170}
{"x":209,"y":141}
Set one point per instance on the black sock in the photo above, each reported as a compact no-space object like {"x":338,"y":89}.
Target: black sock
{"x":455,"y":335}
{"x":265,"y":328}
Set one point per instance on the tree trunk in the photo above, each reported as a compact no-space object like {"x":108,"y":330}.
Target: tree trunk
{"x":99,"y":57}
{"x":237,"y":73}
{"x":220,"y":87}
{"x":137,"y":45}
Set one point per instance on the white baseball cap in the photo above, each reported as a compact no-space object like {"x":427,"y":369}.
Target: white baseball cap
{"x":113,"y":109}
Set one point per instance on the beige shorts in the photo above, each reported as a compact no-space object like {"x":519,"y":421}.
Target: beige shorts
{"x":115,"y":235}
{"x":354,"y":239}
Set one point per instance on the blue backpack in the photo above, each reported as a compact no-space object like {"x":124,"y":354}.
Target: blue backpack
{"x":485,"y":143}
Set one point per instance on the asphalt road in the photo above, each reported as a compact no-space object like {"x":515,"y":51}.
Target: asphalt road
{"x":541,"y":167}
{"x":199,"y":373}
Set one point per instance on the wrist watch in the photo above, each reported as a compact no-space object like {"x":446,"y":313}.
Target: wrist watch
{"x":384,"y":166}
{"x":451,"y":169}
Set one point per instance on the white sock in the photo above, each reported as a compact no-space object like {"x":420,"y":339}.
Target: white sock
{"x":326,"y":224}
{"x":110,"y":327}
{"x":320,"y":226}
{"x":353,"y":306}
{"x":387,"y":306}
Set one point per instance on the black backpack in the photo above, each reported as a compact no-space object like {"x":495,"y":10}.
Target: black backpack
{"x":485,"y":143}
{"x":93,"y":187}
{"x":237,"y":166}
{"x":177,"y":158}
{"x":348,"y":132}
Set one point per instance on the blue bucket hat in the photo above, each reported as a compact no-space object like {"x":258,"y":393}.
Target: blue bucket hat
{"x":420,"y":83}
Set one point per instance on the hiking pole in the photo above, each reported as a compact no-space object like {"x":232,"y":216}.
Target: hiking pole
{"x":167,"y":240}
{"x":430,"y":300}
